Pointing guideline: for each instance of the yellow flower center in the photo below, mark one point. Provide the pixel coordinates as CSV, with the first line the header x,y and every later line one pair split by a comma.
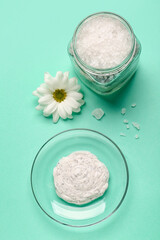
x,y
59,95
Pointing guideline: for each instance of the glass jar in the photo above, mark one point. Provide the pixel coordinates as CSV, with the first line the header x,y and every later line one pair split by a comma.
x,y
106,81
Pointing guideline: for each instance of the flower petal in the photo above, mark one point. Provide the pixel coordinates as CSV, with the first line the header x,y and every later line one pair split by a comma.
x,y
76,109
64,81
49,109
42,90
45,99
55,116
67,107
48,77
81,101
46,114
35,93
58,80
72,82
66,75
39,107
75,88
59,76
49,80
62,111
73,103
75,95
70,116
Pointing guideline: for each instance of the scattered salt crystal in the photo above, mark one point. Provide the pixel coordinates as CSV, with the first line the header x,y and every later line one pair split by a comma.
x,y
125,121
127,126
103,42
136,136
133,105
123,111
98,113
122,134
136,125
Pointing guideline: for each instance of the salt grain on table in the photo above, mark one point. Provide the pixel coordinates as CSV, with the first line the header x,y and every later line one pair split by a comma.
x,y
136,136
125,121
123,111
136,125
133,105
122,134
98,113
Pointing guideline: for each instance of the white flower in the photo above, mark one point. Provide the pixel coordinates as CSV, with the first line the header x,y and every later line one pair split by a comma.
x,y
59,96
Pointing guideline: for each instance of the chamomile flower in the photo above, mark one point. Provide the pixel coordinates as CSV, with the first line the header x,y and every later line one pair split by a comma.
x,y
59,96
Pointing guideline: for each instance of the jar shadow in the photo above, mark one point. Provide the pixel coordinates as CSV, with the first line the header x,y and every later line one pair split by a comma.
x,y
122,93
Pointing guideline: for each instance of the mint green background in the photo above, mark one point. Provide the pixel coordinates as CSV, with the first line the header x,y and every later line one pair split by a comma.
x,y
34,38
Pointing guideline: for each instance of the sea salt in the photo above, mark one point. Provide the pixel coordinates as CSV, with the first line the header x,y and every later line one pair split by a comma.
x,y
122,134
133,105
136,136
125,121
136,125
123,111
98,113
103,42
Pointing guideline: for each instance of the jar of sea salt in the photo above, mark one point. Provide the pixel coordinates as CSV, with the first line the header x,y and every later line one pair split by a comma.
x,y
105,52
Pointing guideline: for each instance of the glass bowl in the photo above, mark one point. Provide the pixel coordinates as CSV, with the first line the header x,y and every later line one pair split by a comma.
x,y
62,144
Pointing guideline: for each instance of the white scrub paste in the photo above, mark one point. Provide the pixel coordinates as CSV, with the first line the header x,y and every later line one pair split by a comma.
x,y
80,178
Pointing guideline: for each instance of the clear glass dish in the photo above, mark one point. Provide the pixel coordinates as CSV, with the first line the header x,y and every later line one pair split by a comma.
x,y
62,144
105,81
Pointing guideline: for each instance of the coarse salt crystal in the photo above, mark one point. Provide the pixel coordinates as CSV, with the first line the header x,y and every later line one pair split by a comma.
x,y
136,125
122,134
123,111
136,136
103,42
125,121
133,105
98,113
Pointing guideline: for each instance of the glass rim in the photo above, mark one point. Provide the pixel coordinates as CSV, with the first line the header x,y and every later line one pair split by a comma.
x,y
122,198
115,69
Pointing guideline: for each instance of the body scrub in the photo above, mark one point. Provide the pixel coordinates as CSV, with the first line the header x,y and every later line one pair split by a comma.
x,y
104,52
80,178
